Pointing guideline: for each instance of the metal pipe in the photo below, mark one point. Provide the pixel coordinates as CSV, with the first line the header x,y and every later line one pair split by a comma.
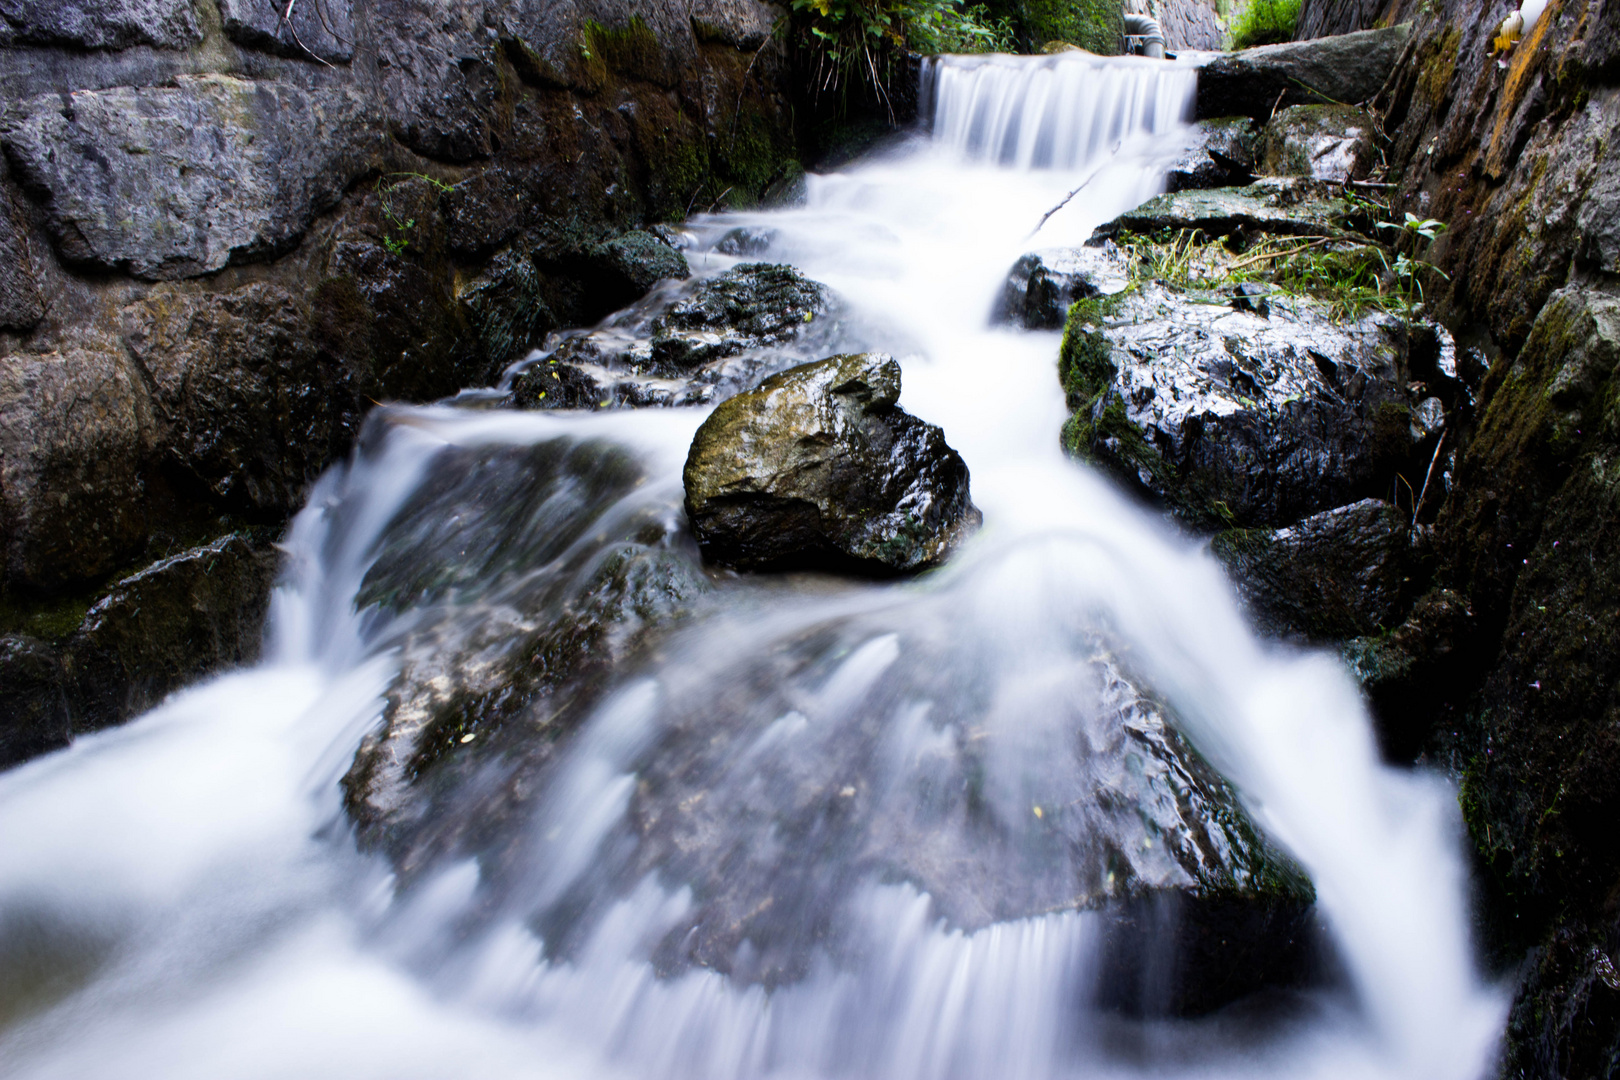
x,y
1147,28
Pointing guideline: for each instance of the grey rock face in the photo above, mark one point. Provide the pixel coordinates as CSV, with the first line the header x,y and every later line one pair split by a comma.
x,y
439,77
1321,18
1322,142
1041,285
1342,573
172,182
251,410
75,428
99,24
1188,24
159,628
654,42
316,29
819,468
1232,418
1222,155
1280,206
1350,68
21,303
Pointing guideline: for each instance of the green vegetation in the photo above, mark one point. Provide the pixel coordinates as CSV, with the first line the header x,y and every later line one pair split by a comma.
x,y
1265,22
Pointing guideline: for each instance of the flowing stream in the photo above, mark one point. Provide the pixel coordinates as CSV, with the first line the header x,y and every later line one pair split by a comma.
x,y
185,896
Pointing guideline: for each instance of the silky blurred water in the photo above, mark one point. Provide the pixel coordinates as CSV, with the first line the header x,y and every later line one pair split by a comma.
x,y
182,896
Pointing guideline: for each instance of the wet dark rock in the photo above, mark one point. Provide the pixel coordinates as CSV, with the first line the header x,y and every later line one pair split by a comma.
x,y
1322,142
35,719
745,24
244,167
99,24
75,428
1350,68
1222,155
1284,207
250,407
506,309
1251,297
1408,672
318,30
749,306
1231,419
624,268
686,345
1342,573
818,467
1042,285
158,629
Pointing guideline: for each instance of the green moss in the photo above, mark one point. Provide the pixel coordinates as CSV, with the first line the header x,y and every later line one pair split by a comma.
x,y
633,50
1437,64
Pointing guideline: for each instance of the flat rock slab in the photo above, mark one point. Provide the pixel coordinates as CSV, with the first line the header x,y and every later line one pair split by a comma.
x,y
819,469
1281,206
178,181
1347,69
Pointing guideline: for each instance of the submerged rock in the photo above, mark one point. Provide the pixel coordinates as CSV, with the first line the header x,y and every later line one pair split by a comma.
x,y
1322,142
685,345
1230,418
819,468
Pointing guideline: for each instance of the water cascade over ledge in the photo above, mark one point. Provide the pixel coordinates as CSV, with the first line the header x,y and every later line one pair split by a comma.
x,y
521,789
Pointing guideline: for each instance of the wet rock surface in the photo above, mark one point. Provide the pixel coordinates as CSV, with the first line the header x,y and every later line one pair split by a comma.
x,y
34,687
1348,69
99,24
819,468
320,31
1229,417
687,345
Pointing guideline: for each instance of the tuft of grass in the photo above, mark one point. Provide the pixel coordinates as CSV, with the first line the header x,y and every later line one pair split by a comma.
x,y
1266,22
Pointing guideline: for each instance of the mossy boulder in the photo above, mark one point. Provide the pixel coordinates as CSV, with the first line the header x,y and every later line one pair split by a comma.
x,y
819,468
1322,142
1278,206
1229,418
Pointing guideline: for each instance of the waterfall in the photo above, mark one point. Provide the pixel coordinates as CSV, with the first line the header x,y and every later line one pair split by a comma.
x,y
805,827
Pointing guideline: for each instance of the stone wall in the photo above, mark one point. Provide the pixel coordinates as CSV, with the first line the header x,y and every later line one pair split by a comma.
x,y
224,235
1519,155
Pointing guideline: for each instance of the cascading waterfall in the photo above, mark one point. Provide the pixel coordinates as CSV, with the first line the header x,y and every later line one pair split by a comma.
x,y
810,760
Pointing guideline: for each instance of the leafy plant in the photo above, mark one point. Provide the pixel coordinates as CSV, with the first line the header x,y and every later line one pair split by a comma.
x,y
853,44
396,240
1266,22
1409,272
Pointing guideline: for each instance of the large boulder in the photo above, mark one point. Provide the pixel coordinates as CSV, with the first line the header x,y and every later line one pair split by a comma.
x,y
1350,69
1043,285
819,468
1234,418
239,169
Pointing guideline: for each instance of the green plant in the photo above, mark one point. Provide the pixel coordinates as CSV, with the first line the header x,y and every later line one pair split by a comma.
x,y
396,240
853,44
1266,22
1409,272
